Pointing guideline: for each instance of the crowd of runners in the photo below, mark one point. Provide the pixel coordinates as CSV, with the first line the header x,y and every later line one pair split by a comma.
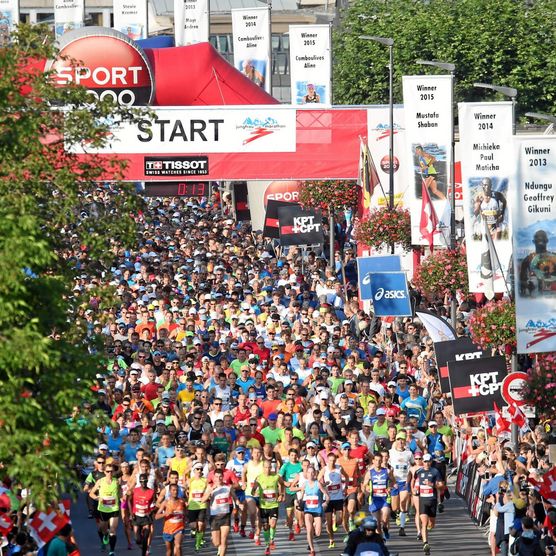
x,y
248,391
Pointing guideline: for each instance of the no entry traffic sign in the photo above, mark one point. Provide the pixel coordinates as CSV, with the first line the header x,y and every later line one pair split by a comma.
x,y
512,385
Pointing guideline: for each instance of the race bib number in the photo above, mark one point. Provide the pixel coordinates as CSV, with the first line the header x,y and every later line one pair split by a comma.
x,y
197,495
269,495
109,501
312,502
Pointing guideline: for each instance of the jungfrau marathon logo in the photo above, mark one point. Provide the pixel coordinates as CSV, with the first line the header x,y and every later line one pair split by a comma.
x,y
540,330
484,384
389,294
305,225
384,130
259,127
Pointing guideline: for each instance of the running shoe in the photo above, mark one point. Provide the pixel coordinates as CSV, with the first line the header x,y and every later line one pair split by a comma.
x,y
267,551
386,533
331,544
427,548
419,536
242,532
297,528
236,526
346,539
351,524
398,520
272,545
402,532
334,526
440,508
251,534
291,537
258,541
111,553
192,533
105,539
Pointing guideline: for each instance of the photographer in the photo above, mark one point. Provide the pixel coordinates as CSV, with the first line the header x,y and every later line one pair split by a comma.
x,y
504,510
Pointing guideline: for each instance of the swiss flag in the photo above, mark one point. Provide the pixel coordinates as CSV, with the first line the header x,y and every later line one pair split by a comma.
x,y
548,486
516,415
502,424
6,524
44,525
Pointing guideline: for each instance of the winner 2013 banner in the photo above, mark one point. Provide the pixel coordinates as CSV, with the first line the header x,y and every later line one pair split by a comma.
x,y
534,242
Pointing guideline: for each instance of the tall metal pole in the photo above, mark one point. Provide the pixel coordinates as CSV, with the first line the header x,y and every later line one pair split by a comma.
x,y
391,114
331,226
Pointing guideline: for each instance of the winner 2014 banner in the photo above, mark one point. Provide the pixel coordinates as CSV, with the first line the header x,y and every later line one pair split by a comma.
x,y
534,242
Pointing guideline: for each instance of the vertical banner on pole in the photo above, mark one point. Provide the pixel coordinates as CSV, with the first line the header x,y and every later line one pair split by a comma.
x,y
9,18
310,63
486,149
131,18
534,243
252,44
429,123
68,15
191,21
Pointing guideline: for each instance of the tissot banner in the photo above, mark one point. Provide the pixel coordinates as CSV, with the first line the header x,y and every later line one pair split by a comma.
x,y
310,64
367,265
476,384
487,163
130,18
428,123
378,141
461,349
191,21
68,15
299,226
271,227
390,294
252,44
534,243
188,130
9,18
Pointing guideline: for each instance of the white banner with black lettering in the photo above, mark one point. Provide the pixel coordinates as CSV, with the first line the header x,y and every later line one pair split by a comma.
x,y
252,45
68,15
534,243
130,18
191,21
486,150
310,64
429,122
9,18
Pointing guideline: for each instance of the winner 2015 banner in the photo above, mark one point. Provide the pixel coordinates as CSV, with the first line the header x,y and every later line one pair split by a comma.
x,y
486,150
534,242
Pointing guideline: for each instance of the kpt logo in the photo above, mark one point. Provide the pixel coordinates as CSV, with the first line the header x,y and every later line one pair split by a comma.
x,y
305,225
484,384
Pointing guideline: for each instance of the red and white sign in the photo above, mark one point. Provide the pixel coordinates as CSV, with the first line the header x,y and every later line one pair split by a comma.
x,y
107,63
44,525
6,524
512,385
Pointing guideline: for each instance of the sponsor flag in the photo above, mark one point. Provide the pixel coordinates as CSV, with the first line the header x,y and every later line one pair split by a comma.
x,y
68,15
459,349
368,178
45,525
191,21
299,226
271,227
367,265
486,151
428,224
534,244
241,204
502,425
6,524
390,294
438,328
252,45
310,64
476,384
131,18
517,416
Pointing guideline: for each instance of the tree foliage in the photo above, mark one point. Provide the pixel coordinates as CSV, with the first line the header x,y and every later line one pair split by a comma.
x,y
507,42
50,230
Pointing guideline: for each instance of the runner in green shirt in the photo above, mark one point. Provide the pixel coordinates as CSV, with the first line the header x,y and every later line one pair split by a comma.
x,y
290,473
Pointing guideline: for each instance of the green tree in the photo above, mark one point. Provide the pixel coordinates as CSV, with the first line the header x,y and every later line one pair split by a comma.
x,y
50,230
506,42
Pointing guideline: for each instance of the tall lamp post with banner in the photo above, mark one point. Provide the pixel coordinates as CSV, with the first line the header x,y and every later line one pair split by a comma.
x,y
541,116
448,66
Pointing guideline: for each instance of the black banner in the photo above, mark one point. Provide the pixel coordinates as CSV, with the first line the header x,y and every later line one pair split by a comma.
x,y
177,189
476,384
299,226
241,206
469,486
271,227
453,350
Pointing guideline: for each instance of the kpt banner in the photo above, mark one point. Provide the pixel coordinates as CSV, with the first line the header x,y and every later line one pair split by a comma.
x,y
390,294
429,123
299,226
131,18
476,384
191,21
310,64
271,227
68,15
366,266
487,163
9,18
252,45
534,243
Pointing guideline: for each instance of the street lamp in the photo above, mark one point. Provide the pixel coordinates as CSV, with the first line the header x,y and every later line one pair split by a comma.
x,y
448,66
386,41
506,91
541,116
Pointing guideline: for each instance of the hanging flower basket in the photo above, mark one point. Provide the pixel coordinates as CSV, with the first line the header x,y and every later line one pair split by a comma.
x,y
442,272
493,325
540,388
327,195
383,227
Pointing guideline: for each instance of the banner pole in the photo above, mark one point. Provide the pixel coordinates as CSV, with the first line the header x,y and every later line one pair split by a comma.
x,y
331,226
270,60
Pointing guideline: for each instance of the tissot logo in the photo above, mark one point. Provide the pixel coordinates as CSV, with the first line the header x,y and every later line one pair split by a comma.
x,y
177,166
389,294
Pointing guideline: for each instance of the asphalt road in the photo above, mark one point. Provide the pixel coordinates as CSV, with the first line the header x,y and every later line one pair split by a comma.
x,y
455,534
